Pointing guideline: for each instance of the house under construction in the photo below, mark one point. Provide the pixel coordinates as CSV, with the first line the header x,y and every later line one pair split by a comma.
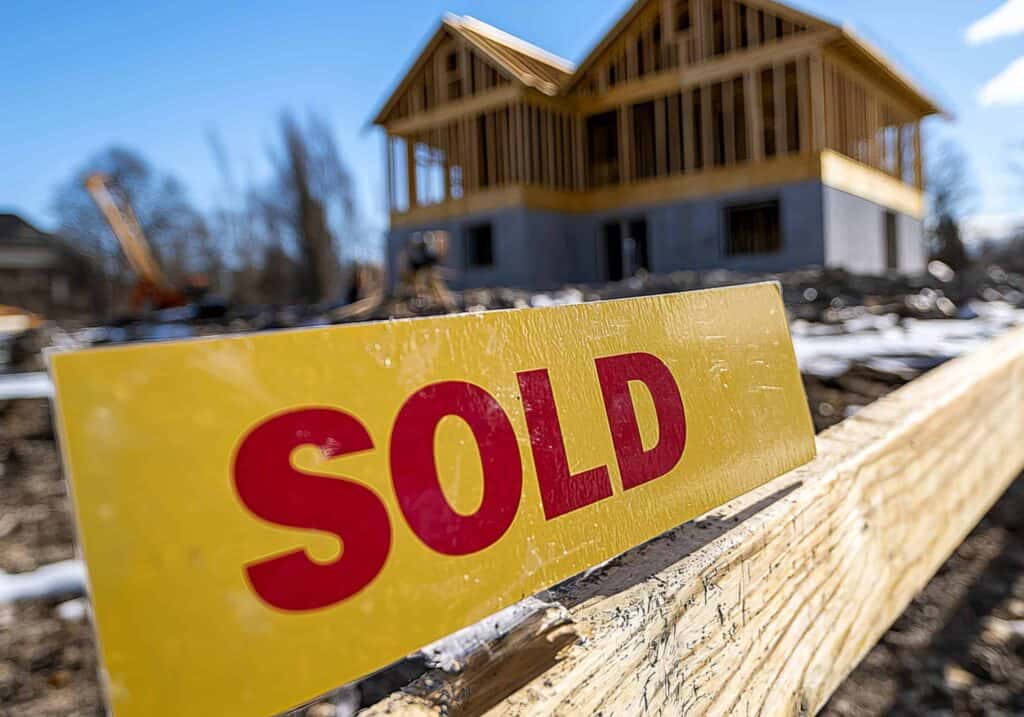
x,y
697,134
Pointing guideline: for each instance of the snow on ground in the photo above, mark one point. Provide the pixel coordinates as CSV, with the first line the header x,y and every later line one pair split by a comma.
x,y
63,579
25,385
901,347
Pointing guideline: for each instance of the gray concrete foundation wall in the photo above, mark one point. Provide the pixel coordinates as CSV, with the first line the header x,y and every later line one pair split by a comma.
x,y
543,249
855,236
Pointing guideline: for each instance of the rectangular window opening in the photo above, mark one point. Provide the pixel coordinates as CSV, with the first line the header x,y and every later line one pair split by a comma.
x,y
753,229
480,246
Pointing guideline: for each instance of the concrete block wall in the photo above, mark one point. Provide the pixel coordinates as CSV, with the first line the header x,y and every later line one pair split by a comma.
x,y
544,249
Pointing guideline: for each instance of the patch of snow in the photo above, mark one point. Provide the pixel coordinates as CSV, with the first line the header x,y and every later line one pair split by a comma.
x,y
25,385
906,347
62,579
73,610
559,298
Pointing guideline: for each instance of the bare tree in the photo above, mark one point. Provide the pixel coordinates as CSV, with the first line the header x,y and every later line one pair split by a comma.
x,y
951,193
311,204
176,231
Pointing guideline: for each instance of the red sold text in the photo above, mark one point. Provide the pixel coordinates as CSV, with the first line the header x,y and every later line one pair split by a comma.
x,y
274,490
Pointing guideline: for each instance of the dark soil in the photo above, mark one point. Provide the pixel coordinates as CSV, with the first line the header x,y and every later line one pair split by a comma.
x,y
48,665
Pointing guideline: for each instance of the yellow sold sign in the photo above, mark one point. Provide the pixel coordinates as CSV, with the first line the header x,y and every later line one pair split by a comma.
x,y
266,517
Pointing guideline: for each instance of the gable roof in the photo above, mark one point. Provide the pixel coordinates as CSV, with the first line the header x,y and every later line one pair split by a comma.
x,y
13,228
517,59
527,63
534,67
846,41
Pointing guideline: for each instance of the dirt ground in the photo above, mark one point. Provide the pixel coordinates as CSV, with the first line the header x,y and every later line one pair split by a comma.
x,y
958,649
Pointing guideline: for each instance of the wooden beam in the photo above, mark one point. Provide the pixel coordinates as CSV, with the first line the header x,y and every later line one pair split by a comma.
x,y
668,21
779,95
753,27
410,171
689,133
803,100
453,110
675,136
918,157
581,152
764,605
713,182
707,128
754,115
625,145
900,151
861,180
819,97
446,161
660,138
389,165
729,121
714,70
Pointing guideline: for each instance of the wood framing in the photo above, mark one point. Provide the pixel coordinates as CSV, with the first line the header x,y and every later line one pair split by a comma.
x,y
765,605
676,89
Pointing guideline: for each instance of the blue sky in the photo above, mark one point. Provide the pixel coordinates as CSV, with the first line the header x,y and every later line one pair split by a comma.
x,y
158,77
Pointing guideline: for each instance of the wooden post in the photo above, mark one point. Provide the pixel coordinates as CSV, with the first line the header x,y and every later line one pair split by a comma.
x,y
410,170
697,29
675,137
729,121
551,175
660,143
818,99
506,144
707,138
753,27
465,58
446,162
581,153
625,145
918,158
779,95
689,132
390,172
668,21
900,153
804,111
755,120
631,58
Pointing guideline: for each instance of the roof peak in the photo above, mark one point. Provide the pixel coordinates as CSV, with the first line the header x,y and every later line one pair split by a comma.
x,y
468,22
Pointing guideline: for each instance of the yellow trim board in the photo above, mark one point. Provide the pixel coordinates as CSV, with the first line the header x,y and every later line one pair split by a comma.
x,y
848,175
707,183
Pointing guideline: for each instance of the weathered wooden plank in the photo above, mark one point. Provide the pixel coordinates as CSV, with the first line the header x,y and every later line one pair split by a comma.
x,y
765,605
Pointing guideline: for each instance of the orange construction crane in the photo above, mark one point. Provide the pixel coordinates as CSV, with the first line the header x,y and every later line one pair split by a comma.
x,y
152,288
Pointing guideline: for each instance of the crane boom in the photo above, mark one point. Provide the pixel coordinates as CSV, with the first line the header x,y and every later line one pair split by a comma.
x,y
125,225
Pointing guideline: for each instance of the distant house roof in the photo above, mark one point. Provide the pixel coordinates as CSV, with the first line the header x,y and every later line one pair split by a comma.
x,y
15,229
17,234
